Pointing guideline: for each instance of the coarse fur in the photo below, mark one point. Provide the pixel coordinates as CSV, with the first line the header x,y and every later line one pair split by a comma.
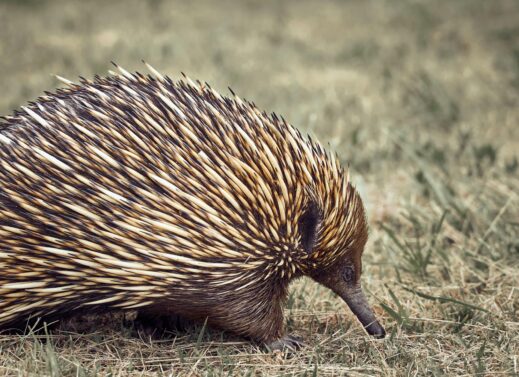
x,y
134,191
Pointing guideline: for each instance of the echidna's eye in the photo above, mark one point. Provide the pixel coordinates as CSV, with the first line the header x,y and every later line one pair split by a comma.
x,y
348,274
308,227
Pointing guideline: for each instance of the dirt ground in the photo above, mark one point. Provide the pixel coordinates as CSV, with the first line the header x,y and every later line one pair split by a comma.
x,y
419,98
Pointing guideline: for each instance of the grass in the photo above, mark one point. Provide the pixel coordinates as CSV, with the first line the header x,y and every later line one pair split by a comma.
x,y
419,98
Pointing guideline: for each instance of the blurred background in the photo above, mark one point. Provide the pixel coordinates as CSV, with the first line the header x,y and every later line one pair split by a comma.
x,y
356,74
420,98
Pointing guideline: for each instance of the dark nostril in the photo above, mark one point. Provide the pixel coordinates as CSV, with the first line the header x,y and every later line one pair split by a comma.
x,y
376,330
381,334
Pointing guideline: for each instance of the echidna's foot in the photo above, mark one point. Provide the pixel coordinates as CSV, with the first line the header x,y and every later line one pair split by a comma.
x,y
290,343
155,326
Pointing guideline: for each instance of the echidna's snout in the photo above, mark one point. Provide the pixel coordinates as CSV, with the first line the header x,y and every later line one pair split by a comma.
x,y
359,305
344,281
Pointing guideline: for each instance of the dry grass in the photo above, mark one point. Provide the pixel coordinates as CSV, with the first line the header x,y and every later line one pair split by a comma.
x,y
420,98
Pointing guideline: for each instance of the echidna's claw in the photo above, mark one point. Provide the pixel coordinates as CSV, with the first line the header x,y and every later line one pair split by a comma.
x,y
290,343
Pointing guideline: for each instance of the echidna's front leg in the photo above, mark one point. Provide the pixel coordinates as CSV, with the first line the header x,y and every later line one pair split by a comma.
x,y
263,323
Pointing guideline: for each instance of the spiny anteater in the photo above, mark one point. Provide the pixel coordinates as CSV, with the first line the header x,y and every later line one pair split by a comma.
x,y
135,191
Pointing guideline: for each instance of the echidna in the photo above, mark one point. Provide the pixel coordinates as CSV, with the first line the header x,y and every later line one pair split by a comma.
x,y
134,191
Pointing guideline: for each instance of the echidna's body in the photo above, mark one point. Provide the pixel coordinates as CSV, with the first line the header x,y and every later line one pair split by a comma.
x,y
137,192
